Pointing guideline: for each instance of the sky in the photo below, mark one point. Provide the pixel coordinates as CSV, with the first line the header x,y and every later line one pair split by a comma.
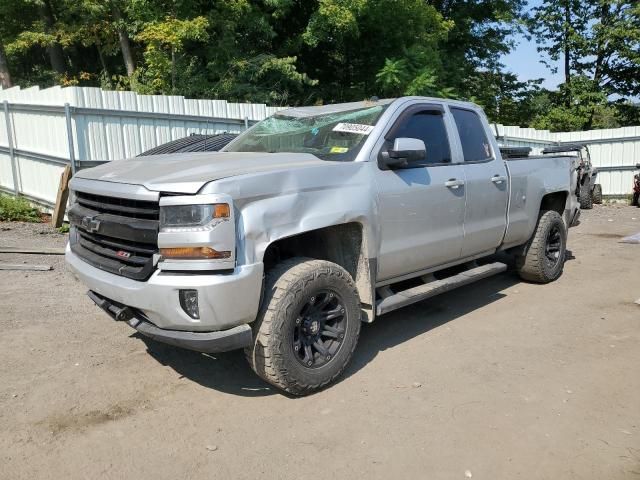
x,y
524,60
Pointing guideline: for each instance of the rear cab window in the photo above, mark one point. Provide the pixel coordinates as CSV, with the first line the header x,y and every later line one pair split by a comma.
x,y
475,144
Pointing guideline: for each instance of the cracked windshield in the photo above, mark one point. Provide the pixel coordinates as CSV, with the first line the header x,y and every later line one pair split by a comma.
x,y
329,136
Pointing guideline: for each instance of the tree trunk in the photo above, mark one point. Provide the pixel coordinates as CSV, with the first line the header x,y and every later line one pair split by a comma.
x,y
173,71
123,37
567,50
600,58
103,62
56,56
5,76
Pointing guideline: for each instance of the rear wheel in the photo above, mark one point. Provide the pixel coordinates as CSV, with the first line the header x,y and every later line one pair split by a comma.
x,y
308,326
597,194
586,201
543,260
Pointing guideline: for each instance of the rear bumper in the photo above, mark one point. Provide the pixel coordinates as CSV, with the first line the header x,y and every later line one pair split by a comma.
x,y
208,342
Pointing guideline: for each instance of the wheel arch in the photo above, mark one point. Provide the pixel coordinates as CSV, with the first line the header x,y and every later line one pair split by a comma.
x,y
344,244
556,201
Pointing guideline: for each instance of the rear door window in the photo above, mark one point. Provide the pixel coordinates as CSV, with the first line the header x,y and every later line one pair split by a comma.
x,y
475,144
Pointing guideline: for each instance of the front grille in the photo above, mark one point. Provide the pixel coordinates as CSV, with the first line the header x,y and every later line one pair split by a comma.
x,y
120,206
116,235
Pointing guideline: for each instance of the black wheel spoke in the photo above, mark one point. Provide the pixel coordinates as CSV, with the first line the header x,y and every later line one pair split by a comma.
x,y
553,247
308,353
320,348
324,302
332,332
331,314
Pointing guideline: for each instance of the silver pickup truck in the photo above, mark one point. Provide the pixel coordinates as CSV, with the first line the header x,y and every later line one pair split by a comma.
x,y
311,222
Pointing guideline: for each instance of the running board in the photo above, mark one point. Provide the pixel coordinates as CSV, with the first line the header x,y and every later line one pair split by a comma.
x,y
436,287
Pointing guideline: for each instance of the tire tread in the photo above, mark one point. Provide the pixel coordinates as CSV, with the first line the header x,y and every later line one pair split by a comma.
x,y
283,286
530,265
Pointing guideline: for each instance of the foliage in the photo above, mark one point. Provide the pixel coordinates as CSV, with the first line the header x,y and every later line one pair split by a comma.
x,y
164,40
292,52
17,209
598,43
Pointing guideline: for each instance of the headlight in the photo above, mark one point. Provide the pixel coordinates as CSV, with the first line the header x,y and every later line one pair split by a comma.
x,y
197,232
72,197
193,218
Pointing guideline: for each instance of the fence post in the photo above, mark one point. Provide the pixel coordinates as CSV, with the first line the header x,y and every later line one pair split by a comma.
x,y
12,153
72,152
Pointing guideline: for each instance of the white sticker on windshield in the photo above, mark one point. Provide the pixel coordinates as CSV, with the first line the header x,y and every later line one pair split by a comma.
x,y
353,128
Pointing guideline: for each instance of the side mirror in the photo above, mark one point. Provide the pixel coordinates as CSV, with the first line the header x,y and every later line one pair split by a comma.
x,y
404,150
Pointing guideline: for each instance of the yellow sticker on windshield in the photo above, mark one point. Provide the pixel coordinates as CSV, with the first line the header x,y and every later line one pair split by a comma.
x,y
339,150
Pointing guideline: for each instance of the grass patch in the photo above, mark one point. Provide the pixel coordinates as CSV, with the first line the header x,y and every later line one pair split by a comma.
x,y
17,209
64,228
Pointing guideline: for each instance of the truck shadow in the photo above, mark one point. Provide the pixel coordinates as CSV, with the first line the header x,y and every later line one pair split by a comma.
x,y
230,373
402,325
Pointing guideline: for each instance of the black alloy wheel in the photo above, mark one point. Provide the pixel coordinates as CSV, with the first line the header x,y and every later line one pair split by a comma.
x,y
319,329
553,246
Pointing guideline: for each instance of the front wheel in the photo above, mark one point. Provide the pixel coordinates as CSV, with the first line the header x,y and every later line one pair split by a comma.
x,y
308,325
543,260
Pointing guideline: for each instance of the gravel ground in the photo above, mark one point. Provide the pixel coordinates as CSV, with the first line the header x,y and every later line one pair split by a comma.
x,y
498,380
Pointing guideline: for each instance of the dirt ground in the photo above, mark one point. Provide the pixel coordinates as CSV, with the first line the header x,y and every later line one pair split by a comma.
x,y
498,380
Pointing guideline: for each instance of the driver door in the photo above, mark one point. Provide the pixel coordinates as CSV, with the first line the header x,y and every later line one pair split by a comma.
x,y
422,205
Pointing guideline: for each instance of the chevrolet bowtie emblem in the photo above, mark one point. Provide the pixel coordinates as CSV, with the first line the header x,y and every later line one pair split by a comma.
x,y
90,224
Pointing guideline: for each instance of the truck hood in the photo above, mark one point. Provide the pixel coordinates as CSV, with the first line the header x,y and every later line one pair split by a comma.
x,y
189,172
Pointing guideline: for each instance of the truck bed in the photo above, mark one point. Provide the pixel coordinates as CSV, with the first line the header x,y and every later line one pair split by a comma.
x,y
530,181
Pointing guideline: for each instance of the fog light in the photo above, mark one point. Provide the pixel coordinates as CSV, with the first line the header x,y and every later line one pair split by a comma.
x,y
189,303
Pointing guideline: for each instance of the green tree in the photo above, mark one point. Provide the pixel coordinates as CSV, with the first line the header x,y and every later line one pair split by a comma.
x,y
480,33
599,44
164,41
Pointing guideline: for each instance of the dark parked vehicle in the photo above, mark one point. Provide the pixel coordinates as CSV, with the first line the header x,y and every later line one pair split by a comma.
x,y
588,191
193,143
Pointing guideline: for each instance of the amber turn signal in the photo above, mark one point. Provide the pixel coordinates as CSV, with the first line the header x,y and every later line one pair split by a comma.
x,y
193,253
221,210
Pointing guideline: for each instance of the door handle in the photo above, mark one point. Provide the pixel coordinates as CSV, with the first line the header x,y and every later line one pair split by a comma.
x,y
453,183
498,179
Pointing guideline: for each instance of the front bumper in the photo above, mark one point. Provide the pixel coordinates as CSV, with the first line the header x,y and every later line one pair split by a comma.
x,y
208,342
225,300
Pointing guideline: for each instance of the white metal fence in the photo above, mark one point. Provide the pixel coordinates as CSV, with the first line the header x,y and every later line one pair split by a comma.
x,y
615,151
44,130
